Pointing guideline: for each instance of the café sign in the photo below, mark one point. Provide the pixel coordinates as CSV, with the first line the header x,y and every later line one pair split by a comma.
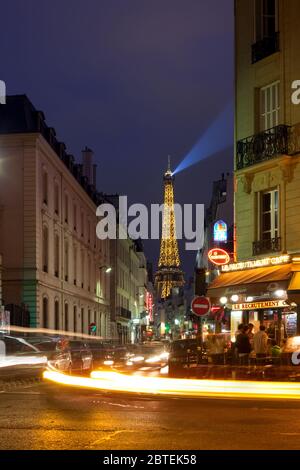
x,y
257,263
260,305
218,256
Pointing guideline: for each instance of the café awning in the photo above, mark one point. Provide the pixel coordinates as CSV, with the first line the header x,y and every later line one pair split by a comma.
x,y
252,282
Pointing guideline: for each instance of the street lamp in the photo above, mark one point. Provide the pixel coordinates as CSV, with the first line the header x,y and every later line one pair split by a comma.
x,y
107,269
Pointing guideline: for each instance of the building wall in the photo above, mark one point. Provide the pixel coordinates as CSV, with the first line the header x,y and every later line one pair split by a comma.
x,y
25,160
127,287
282,172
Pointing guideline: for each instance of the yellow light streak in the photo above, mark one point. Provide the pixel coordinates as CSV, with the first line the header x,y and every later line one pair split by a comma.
x,y
189,388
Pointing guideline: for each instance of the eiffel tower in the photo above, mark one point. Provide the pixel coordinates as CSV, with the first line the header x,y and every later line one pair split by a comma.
x,y
169,274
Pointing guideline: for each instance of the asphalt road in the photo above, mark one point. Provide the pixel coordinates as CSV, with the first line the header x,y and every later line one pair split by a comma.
x,y
47,416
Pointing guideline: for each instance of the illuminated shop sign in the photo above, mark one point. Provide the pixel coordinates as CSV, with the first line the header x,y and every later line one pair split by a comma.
x,y
149,305
258,305
218,256
220,231
257,263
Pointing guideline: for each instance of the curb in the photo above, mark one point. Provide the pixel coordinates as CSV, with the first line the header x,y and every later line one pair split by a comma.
x,y
7,385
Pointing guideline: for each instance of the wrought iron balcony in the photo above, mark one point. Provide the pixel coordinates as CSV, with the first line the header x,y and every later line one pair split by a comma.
x,y
279,140
265,47
272,245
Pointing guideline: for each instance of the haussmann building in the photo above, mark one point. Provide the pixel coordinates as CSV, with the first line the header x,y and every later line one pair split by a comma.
x,y
263,284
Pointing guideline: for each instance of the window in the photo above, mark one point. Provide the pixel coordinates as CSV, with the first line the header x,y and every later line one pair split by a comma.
x,y
89,320
82,224
56,315
75,216
266,19
82,320
45,187
75,318
66,317
66,260
82,269
89,273
56,198
66,208
56,255
75,265
269,106
45,312
45,248
269,215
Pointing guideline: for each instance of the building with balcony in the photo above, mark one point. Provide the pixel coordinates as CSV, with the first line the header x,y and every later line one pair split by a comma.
x,y
128,287
267,170
51,255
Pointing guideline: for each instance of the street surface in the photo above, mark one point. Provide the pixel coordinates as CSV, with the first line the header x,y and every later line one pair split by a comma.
x,y
49,416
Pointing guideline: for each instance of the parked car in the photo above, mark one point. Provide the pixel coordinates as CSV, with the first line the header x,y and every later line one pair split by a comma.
x,y
81,356
56,349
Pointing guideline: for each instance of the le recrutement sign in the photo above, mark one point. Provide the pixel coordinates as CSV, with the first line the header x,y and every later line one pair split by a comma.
x,y
260,305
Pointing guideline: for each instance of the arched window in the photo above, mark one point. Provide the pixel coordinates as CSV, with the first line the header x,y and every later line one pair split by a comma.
x,y
45,312
75,264
66,317
66,208
82,320
66,260
75,216
56,315
89,273
89,320
45,187
56,254
75,318
56,198
45,248
82,269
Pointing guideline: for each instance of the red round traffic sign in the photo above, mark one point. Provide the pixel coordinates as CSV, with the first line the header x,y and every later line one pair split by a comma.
x,y
200,305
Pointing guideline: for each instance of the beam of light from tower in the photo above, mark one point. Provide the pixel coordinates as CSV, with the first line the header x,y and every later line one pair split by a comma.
x,y
217,138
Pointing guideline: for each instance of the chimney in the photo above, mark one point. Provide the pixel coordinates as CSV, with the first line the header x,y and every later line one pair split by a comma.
x,y
87,167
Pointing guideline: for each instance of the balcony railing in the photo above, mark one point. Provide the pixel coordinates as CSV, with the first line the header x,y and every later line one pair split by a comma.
x,y
265,47
279,140
272,245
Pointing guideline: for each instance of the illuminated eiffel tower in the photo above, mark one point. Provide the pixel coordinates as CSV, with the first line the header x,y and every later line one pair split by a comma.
x,y
169,274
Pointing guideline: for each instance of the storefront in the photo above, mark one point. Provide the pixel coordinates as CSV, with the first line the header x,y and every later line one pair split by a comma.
x,y
263,291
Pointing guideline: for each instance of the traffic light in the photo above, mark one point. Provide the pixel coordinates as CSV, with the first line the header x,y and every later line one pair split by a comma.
x,y
167,328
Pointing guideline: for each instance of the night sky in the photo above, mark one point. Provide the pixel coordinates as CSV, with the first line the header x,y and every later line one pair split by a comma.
x,y
135,80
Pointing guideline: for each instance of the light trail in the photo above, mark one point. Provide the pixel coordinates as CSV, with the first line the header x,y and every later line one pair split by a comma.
x,y
189,388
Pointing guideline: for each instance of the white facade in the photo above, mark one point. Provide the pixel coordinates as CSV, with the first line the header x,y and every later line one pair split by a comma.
x,y
52,258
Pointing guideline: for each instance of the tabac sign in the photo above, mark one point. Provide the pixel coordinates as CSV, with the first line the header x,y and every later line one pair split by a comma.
x,y
260,305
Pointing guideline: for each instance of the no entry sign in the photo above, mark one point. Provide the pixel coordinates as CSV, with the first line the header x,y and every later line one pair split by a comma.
x,y
200,306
